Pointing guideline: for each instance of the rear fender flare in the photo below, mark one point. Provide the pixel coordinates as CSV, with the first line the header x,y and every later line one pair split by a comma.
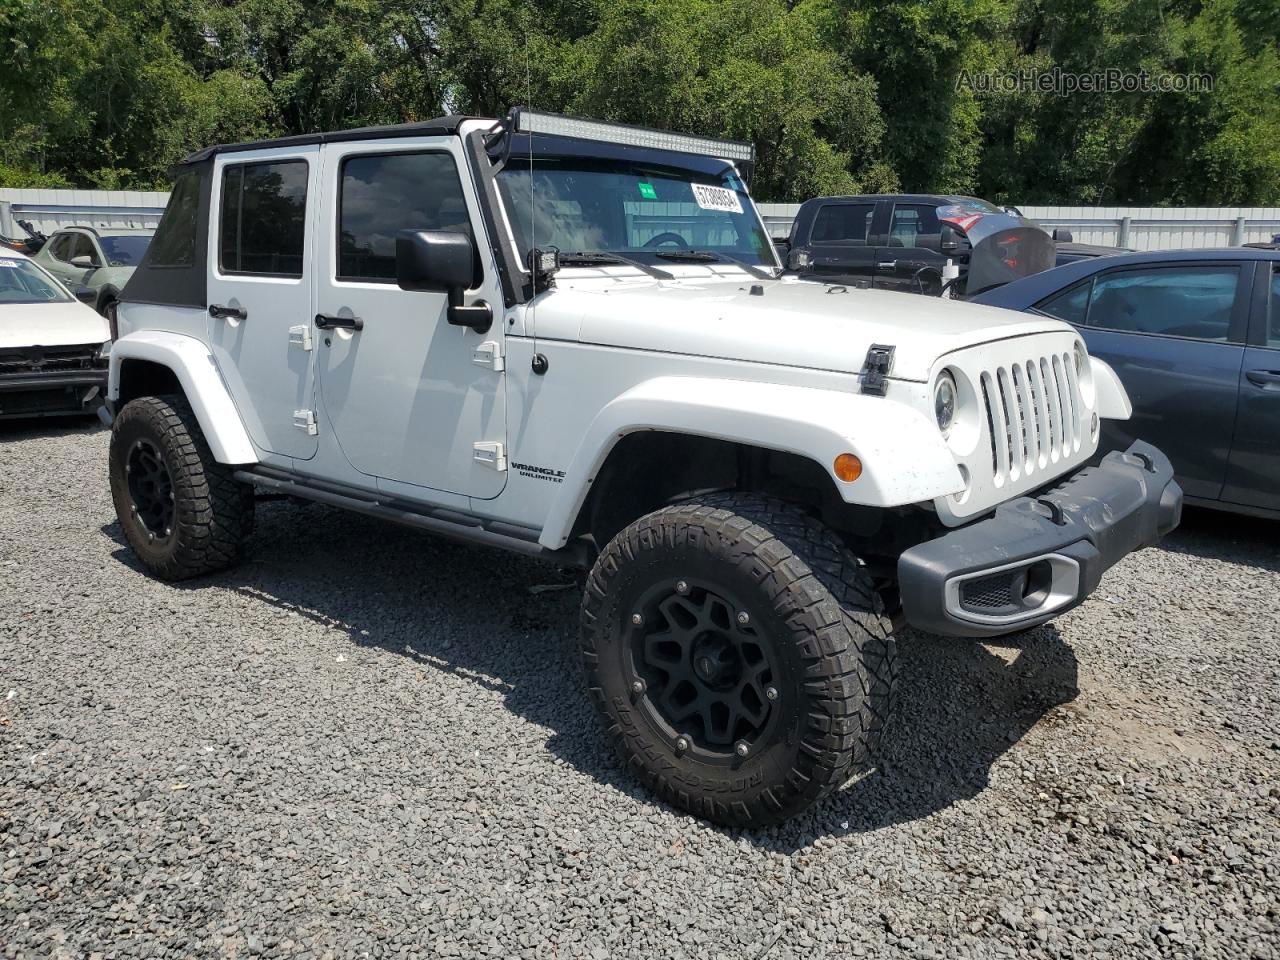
x,y
904,458
193,365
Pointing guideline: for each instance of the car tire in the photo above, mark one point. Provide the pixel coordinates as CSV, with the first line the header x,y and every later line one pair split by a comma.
x,y
180,509
738,655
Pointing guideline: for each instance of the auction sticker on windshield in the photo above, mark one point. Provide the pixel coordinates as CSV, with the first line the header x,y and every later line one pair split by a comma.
x,y
716,198
9,263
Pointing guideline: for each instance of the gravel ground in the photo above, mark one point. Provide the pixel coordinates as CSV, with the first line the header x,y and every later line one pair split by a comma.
x,y
368,743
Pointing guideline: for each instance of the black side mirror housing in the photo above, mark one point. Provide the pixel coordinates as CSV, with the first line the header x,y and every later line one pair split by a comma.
x,y
1062,236
442,261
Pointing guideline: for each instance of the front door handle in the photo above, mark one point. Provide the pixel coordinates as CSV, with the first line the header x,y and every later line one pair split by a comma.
x,y
887,265
326,322
219,312
1264,378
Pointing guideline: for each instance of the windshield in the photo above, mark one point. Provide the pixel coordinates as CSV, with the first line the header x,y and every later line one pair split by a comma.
x,y
21,281
587,205
127,250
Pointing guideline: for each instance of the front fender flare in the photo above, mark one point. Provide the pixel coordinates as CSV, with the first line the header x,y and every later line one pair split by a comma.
x,y
1110,397
904,458
193,365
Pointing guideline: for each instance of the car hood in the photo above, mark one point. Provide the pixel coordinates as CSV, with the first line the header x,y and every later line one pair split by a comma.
x,y
50,325
788,322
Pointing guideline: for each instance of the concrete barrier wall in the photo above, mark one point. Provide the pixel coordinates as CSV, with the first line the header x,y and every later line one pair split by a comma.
x,y
1143,228
47,210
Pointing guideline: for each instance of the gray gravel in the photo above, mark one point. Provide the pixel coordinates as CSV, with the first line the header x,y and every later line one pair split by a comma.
x,y
368,743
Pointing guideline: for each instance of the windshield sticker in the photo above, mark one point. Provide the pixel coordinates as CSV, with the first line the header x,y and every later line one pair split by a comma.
x,y
647,191
9,263
716,198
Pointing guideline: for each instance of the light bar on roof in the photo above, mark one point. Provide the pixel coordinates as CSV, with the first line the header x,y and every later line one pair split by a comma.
x,y
554,124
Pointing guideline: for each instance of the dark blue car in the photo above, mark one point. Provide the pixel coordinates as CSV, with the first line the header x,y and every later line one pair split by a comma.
x,y
1195,337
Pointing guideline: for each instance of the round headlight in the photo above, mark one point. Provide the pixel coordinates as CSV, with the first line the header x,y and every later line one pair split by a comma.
x,y
944,401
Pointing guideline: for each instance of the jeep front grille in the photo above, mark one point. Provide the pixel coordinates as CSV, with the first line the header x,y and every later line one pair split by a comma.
x,y
1034,414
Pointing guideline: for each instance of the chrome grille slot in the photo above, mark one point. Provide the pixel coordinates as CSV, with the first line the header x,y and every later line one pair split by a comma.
x,y
1033,412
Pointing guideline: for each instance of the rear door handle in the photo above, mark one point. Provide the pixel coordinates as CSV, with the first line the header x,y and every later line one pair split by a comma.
x,y
887,265
326,322
219,312
1264,378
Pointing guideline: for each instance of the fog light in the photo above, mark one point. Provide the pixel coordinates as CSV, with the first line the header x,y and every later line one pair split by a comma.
x,y
847,467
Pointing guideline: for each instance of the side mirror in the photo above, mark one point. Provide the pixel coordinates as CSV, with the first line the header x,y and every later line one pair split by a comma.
x,y
948,242
83,263
1062,236
442,261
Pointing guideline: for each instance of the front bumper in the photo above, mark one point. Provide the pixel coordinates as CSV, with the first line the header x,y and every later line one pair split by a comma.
x,y
42,393
1039,556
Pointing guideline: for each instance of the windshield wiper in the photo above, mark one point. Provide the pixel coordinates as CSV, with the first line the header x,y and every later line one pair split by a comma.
x,y
706,256
594,259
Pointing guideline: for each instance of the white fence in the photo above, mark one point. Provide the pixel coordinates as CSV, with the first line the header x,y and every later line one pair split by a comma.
x,y
47,210
1142,228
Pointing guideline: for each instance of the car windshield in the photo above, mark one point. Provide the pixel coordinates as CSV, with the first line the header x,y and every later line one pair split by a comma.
x,y
21,281
125,250
589,205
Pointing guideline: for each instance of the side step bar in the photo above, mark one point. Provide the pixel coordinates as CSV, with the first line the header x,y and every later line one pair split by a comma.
x,y
458,527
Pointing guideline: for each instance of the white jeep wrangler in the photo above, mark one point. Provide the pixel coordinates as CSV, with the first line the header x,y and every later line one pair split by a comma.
x,y
573,340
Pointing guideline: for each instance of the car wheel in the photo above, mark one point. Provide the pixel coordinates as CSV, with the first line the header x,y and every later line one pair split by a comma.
x,y
180,509
738,655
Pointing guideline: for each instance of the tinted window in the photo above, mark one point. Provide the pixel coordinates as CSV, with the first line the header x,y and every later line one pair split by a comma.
x,y
1071,305
915,225
1171,301
382,195
175,240
263,221
843,223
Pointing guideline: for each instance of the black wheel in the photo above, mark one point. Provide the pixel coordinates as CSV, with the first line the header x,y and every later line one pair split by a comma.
x,y
739,656
180,510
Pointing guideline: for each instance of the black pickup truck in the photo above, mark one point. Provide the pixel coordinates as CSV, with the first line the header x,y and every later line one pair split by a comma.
x,y
903,241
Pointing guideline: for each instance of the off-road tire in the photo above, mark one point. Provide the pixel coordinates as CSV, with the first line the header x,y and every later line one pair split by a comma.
x,y
812,600
212,513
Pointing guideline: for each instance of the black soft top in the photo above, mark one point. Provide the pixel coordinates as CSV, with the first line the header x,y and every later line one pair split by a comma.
x,y
440,126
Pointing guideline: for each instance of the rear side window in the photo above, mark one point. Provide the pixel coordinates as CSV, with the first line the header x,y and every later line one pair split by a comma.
x,y
843,223
1071,305
915,225
263,220
1191,301
386,193
174,244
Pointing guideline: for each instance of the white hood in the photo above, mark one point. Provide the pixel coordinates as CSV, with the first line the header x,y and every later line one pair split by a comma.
x,y
50,325
790,322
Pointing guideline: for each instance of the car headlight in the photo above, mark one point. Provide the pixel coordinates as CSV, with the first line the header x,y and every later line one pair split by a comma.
x,y
944,401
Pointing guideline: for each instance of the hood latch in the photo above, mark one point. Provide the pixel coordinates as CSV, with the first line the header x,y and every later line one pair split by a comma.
x,y
875,369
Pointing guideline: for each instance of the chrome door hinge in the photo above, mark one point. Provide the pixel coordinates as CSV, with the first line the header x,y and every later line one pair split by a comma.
x,y
492,455
305,420
300,336
489,354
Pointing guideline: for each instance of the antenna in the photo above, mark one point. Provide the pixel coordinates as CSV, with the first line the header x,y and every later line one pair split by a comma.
x,y
533,210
